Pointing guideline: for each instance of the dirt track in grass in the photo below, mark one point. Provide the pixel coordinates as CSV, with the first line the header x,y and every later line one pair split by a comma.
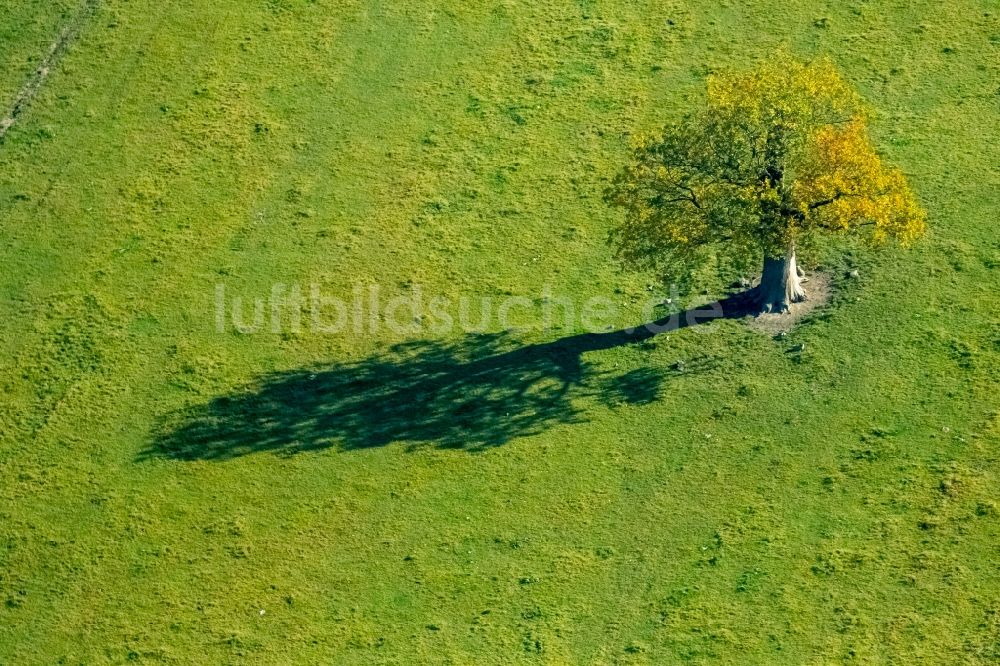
x,y
57,49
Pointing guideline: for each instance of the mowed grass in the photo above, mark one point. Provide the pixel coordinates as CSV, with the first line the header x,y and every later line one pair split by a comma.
x,y
749,506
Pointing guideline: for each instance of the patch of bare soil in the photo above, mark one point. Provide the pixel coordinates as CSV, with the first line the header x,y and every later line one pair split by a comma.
x,y
819,290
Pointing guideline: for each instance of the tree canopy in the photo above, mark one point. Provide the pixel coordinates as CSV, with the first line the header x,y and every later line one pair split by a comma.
x,y
777,156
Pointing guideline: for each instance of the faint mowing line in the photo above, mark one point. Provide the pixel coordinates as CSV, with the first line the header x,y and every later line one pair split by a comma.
x,y
56,51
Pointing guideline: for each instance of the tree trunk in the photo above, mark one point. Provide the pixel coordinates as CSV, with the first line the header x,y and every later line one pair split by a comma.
x,y
780,285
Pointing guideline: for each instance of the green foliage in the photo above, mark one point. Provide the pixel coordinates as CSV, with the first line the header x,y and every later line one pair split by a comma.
x,y
778,154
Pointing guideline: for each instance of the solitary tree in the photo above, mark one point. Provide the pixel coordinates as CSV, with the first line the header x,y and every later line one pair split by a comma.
x,y
778,156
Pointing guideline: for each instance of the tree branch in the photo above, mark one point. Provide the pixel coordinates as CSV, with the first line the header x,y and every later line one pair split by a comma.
x,y
827,202
691,199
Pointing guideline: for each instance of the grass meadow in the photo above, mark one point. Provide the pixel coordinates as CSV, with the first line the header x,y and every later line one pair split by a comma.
x,y
170,493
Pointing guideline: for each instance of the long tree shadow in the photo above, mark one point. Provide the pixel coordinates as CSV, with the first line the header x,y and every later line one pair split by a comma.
x,y
479,392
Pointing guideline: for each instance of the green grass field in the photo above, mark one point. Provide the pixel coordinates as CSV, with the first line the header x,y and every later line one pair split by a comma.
x,y
173,494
